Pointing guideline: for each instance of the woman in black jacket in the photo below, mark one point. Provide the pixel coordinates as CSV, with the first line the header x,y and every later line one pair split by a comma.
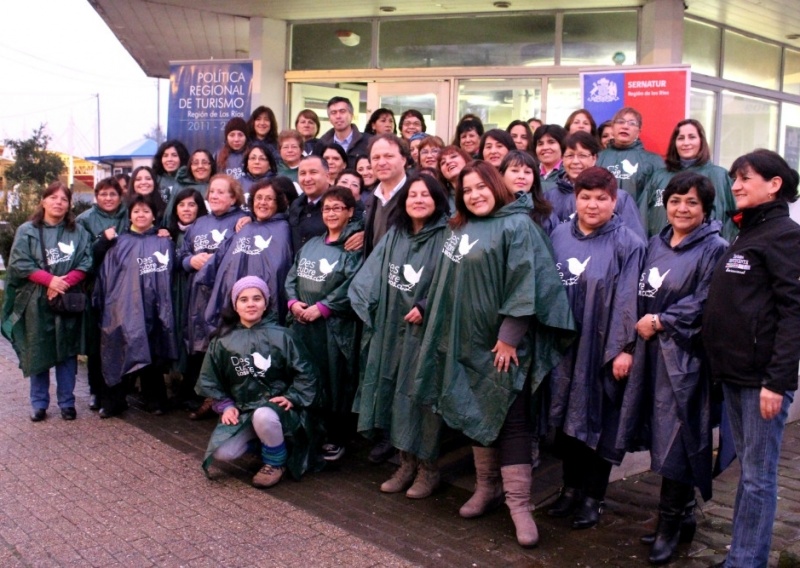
x,y
751,330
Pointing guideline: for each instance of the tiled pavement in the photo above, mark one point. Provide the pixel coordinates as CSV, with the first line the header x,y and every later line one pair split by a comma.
x,y
130,492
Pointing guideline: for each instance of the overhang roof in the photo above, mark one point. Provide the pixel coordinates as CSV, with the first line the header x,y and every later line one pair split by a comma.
x,y
155,31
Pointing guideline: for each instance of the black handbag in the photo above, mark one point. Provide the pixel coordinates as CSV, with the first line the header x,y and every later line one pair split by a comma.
x,y
71,302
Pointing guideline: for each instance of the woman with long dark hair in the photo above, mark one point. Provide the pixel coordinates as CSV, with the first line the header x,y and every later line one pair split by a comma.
x,y
688,150
521,175
390,294
170,157
262,127
494,297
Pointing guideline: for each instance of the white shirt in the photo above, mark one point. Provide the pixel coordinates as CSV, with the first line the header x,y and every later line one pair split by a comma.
x,y
379,192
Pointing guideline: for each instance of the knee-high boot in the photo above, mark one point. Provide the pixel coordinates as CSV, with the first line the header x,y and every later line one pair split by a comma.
x,y
488,489
517,487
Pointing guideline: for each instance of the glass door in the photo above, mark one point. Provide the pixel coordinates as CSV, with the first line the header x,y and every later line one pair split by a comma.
x,y
431,98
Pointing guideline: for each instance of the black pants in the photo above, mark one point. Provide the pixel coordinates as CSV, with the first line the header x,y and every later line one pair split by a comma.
x,y
95,375
675,496
583,468
185,390
516,434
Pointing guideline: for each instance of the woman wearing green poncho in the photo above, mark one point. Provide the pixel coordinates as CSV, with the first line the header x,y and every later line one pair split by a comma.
x,y
389,294
49,255
321,317
497,320
262,383
688,151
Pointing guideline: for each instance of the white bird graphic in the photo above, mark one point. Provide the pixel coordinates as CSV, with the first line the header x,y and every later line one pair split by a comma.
x,y
464,246
67,249
260,362
217,236
325,266
655,279
411,276
576,267
163,257
629,168
261,243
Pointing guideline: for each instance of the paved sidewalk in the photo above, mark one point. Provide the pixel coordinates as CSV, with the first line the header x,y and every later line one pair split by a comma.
x,y
130,492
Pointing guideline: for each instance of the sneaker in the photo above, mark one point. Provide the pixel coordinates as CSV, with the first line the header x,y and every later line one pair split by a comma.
x,y
268,476
332,452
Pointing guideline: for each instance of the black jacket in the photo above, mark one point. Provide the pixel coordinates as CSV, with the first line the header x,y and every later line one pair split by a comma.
x,y
359,146
751,324
305,219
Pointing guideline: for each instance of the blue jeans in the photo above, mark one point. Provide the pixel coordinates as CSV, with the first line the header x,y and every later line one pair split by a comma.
x,y
758,446
65,385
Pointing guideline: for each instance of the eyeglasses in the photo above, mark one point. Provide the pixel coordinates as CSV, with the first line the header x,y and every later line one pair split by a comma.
x,y
622,121
264,199
290,147
107,194
429,152
581,157
333,209
256,158
203,163
409,122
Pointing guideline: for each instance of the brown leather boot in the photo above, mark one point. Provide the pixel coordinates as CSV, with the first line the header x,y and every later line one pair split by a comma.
x,y
517,487
404,475
426,482
488,488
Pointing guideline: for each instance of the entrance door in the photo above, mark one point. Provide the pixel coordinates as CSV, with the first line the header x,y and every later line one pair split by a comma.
x,y
431,98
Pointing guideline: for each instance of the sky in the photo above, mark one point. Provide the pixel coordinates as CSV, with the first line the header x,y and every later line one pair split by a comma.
x,y
56,56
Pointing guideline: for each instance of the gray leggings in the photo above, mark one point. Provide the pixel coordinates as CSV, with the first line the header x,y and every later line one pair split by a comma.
x,y
266,426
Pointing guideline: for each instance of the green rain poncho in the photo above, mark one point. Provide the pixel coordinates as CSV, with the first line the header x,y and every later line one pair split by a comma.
x,y
322,273
492,267
253,365
395,278
41,337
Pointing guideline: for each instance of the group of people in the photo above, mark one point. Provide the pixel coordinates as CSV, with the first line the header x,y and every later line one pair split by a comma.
x,y
511,284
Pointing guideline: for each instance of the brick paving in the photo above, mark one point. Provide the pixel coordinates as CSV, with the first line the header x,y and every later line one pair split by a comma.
x,y
130,492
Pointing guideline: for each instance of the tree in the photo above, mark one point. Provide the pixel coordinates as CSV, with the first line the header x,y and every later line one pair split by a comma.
x,y
33,163
156,134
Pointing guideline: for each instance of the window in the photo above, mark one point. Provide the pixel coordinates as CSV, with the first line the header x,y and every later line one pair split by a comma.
x,y
703,108
791,72
701,47
747,123
331,45
790,134
600,38
498,102
751,61
563,97
468,42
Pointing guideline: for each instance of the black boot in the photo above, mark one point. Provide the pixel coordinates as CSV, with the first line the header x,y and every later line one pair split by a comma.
x,y
688,527
588,513
568,499
667,535
676,503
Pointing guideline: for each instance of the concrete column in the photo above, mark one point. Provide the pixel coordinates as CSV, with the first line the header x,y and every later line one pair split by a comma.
x,y
268,50
662,32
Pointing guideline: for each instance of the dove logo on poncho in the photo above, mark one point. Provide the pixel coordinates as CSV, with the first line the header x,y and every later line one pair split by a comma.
x,y
259,245
575,267
158,262
307,269
61,253
256,364
410,275
651,281
455,249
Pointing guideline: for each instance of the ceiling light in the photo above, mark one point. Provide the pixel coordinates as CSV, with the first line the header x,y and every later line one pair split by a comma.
x,y
502,5
348,38
387,9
